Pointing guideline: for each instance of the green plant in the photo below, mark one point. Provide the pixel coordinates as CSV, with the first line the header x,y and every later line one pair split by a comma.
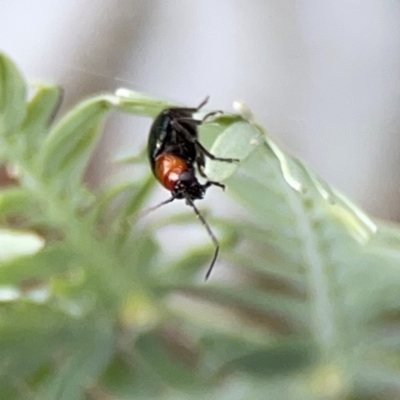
x,y
91,309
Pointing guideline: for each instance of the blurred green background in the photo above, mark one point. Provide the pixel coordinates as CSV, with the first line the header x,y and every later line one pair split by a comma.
x,y
303,301
92,308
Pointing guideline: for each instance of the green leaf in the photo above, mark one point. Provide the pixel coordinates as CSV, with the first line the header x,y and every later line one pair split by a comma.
x,y
187,267
67,150
15,200
284,357
41,112
238,140
374,379
124,214
313,312
29,336
165,362
9,391
138,253
136,201
53,259
84,364
310,233
12,96
142,103
275,305
126,379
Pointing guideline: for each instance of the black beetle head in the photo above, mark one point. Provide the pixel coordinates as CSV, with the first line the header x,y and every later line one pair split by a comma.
x,y
188,186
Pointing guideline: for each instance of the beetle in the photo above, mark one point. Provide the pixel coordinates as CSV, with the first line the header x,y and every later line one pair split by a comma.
x,y
174,151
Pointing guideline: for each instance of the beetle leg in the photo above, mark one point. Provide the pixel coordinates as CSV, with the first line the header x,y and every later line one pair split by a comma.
x,y
200,161
211,114
201,171
179,128
213,183
199,121
182,130
203,103
211,156
191,109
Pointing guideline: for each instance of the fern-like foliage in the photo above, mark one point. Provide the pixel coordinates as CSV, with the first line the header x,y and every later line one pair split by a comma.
x,y
90,309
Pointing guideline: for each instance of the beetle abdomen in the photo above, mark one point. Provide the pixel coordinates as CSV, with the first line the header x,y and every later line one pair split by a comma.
x,y
168,168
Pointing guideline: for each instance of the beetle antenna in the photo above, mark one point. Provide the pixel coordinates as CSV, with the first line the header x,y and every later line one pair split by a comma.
x,y
151,209
210,233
